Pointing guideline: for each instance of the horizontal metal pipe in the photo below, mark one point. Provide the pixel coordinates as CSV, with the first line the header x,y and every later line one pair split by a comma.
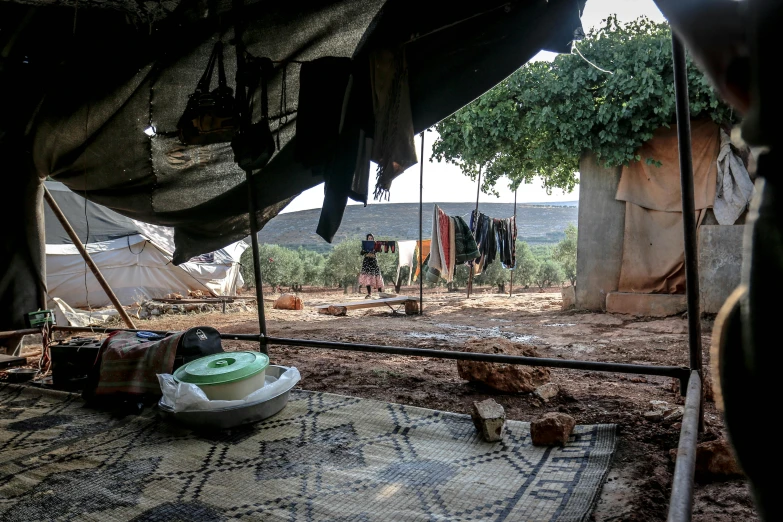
x,y
18,333
681,502
90,329
677,372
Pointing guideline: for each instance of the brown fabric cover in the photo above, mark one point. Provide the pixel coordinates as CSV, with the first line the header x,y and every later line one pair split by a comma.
x,y
653,245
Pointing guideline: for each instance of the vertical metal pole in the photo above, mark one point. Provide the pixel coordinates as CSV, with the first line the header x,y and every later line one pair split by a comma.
x,y
688,213
511,284
473,265
688,210
252,197
421,208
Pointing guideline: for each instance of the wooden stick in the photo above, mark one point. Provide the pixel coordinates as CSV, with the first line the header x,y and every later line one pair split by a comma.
x,y
87,259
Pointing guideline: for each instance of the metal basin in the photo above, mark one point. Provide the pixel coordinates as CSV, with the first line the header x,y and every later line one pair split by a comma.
x,y
226,418
20,374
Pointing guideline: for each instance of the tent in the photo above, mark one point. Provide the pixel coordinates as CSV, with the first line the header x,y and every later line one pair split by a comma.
x,y
96,105
134,257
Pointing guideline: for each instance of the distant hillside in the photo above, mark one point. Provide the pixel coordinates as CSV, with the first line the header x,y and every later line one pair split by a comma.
x,y
539,223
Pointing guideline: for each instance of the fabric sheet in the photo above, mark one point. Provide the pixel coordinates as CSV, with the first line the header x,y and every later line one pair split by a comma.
x,y
653,245
131,365
406,251
734,186
423,246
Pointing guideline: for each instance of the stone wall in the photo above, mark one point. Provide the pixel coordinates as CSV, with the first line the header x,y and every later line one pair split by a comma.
x,y
154,308
720,263
601,228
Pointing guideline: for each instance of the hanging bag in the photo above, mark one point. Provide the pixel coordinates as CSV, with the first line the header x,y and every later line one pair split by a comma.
x,y
210,116
254,146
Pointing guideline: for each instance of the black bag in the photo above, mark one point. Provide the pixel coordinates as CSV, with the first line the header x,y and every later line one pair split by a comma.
x,y
254,146
196,343
210,116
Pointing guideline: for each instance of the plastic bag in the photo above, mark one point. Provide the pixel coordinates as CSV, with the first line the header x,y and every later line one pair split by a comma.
x,y
184,396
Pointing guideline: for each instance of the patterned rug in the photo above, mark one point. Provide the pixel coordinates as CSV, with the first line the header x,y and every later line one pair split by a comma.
x,y
324,457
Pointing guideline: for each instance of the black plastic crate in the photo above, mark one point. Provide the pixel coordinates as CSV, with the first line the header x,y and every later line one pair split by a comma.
x,y
72,361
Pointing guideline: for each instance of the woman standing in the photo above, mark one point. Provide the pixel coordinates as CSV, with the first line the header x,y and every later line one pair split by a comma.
x,y
370,276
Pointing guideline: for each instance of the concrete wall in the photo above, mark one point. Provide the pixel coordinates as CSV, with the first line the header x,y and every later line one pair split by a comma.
x,y
720,262
600,240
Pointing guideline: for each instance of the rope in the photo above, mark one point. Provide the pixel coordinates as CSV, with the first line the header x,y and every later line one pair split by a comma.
x,y
575,48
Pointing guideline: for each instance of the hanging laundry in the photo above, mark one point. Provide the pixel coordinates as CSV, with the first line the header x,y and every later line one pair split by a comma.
x,y
506,238
407,251
393,147
465,245
452,245
493,237
424,248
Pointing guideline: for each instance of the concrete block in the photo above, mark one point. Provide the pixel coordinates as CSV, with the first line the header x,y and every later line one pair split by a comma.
x,y
646,305
601,232
569,297
720,263
489,419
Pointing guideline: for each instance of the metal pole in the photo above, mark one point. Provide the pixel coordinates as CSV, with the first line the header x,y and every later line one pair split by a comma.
x,y
252,196
678,372
421,241
681,501
473,265
511,284
688,210
87,259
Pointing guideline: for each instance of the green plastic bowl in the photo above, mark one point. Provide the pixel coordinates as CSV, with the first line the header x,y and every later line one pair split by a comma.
x,y
226,376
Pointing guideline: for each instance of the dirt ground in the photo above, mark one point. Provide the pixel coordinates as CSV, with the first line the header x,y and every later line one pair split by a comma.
x,y
638,485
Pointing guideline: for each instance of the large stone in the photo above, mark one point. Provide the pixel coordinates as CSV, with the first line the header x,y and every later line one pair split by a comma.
x,y
645,305
552,429
548,391
502,377
569,297
490,419
288,302
715,459
720,261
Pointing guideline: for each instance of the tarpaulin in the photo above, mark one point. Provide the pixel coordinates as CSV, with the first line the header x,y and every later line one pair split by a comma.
x,y
653,244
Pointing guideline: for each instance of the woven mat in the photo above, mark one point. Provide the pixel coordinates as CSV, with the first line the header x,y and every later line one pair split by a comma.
x,y
324,457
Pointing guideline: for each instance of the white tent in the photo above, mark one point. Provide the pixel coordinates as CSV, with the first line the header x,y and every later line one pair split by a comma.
x,y
134,257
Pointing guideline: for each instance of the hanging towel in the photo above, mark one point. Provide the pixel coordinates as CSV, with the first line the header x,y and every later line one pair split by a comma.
x,y
435,266
424,247
406,251
452,251
464,243
394,150
734,185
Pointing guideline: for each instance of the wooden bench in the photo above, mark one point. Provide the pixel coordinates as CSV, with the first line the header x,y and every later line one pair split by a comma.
x,y
410,304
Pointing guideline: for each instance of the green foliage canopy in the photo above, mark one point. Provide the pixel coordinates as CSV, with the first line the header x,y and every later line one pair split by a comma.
x,y
541,119
565,253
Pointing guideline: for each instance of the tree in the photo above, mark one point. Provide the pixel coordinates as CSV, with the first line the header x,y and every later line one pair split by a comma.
x,y
279,266
548,274
527,265
541,119
565,253
313,264
344,263
494,274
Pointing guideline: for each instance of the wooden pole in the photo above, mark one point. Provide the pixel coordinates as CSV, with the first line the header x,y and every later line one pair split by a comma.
x,y
421,246
511,284
87,259
473,266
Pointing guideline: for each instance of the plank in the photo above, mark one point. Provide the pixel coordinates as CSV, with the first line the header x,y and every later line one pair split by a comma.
x,y
7,361
367,303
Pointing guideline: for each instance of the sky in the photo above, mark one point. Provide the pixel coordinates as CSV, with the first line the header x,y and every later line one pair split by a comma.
x,y
446,183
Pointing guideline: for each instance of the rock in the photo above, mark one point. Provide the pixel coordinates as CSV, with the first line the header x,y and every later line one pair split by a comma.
x,y
502,377
490,419
411,307
548,391
154,311
173,296
715,459
335,310
569,297
674,415
552,429
191,307
288,302
653,416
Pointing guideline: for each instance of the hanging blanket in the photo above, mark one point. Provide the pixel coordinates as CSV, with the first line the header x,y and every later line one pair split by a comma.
x,y
131,365
464,243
